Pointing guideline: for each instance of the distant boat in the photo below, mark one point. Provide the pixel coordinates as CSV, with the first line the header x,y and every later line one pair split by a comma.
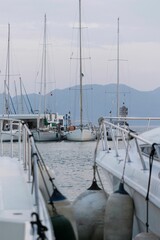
x,y
121,112
8,132
121,122
82,132
47,129
35,122
133,169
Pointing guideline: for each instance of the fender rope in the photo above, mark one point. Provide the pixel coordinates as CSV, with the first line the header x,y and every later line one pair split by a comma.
x,y
151,157
41,229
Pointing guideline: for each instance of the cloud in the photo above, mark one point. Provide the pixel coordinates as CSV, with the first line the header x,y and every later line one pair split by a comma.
x,y
139,37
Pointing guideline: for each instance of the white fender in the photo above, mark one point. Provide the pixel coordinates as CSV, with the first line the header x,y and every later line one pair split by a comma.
x,y
89,213
118,219
146,236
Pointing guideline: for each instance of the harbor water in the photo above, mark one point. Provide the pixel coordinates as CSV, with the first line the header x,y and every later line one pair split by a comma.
x,y
72,163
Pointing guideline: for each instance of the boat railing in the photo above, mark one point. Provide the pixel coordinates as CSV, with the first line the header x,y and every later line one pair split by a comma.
x,y
121,137
26,151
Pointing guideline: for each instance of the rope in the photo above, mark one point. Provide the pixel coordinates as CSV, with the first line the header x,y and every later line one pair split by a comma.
x,y
44,165
125,161
41,164
44,181
101,182
151,157
95,167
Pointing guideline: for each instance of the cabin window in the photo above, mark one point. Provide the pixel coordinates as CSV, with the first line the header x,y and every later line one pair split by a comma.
x,y
146,150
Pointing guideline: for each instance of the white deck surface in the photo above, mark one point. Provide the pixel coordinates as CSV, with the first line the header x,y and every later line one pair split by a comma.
x,y
16,202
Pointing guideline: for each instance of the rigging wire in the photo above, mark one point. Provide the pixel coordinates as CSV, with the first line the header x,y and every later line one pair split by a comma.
x,y
28,99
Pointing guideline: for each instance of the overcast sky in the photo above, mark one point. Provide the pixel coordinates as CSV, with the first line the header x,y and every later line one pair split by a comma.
x,y
139,42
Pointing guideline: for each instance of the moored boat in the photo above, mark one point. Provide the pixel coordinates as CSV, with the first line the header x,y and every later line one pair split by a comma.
x,y
26,191
135,164
82,132
46,129
23,212
9,133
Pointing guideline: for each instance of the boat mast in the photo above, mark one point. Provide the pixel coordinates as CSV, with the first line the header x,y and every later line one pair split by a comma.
x,y
80,66
118,68
45,20
6,81
43,72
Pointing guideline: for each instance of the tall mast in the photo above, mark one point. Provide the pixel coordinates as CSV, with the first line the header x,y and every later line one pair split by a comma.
x,y
45,20
80,67
43,71
118,68
6,81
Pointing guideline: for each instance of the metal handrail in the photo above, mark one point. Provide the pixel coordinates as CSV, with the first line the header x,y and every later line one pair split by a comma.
x,y
118,133
26,151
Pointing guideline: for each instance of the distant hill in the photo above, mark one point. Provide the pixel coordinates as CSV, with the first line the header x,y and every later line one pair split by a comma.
x,y
98,100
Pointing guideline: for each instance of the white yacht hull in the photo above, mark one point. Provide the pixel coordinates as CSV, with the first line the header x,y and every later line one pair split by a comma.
x,y
136,163
136,182
42,136
79,135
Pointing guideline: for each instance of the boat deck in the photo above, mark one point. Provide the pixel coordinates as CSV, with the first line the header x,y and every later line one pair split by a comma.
x,y
11,184
23,210
16,201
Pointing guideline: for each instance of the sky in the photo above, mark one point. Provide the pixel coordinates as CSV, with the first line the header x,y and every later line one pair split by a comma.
x,y
139,42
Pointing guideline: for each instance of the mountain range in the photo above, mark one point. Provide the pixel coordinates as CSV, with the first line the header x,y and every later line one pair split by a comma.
x,y
98,100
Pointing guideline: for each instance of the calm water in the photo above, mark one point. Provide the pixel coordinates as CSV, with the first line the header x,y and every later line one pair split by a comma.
x,y
72,163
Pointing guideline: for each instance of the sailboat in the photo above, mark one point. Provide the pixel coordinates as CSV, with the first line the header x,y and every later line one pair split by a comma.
x,y
121,112
48,128
81,133
8,132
